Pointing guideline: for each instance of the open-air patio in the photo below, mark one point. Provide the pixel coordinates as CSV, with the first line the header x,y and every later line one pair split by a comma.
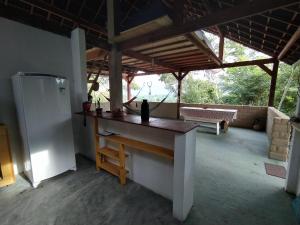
x,y
231,186
81,143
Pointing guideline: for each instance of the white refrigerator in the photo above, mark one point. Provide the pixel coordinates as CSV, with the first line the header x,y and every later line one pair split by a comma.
x,y
44,114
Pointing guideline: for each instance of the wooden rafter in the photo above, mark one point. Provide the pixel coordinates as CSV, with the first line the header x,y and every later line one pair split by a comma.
x,y
204,48
65,15
221,47
95,54
266,69
246,9
210,9
148,59
290,43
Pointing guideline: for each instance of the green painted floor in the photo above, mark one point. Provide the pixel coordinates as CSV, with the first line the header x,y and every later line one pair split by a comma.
x,y
231,184
231,188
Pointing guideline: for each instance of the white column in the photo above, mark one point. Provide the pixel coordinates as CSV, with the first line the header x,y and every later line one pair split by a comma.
x,y
183,175
79,67
82,134
115,59
115,79
293,173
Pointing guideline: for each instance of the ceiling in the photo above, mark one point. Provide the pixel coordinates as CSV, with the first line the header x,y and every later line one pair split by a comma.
x,y
268,31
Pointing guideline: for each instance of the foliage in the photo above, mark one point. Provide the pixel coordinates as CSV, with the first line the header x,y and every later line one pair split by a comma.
x,y
245,86
290,100
170,81
135,86
199,91
193,90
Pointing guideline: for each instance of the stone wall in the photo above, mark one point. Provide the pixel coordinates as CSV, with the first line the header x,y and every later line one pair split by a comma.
x,y
278,131
245,116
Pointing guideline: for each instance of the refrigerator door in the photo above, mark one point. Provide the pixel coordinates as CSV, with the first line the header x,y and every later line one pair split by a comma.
x,y
47,112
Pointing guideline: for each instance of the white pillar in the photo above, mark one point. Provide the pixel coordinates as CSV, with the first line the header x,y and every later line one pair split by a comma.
x,y
115,79
293,173
79,67
183,175
79,92
115,59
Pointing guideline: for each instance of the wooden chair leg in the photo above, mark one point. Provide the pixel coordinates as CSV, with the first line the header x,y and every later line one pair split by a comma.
x,y
122,164
97,144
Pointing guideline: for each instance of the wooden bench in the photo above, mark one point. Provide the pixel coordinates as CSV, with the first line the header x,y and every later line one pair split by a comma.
x,y
216,122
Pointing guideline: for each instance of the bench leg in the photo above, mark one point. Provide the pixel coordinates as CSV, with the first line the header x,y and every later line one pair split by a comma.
x,y
226,125
218,128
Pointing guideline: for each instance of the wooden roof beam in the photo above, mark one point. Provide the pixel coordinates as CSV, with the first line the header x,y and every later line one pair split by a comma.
x,y
289,44
221,47
234,64
248,63
148,59
95,54
210,9
204,48
243,10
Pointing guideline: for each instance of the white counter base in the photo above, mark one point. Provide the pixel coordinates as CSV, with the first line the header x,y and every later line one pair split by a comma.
x,y
172,180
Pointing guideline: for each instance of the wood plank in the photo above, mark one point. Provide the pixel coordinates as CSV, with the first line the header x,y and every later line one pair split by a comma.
x,y
122,164
109,152
203,47
160,43
167,47
97,144
290,43
139,145
169,52
111,168
7,175
146,58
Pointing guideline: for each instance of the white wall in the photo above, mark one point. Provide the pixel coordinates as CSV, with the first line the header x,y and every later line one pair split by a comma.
x,y
24,48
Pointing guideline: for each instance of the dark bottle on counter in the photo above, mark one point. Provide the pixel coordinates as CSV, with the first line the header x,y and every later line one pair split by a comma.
x,y
145,111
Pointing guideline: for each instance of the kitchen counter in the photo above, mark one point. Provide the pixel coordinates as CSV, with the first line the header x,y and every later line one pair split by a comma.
x,y
177,126
171,177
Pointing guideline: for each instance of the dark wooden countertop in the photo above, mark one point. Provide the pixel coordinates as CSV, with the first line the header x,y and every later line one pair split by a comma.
x,y
177,126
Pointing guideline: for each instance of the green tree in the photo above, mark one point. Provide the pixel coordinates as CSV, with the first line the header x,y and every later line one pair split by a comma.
x,y
193,90
135,86
290,100
245,86
199,91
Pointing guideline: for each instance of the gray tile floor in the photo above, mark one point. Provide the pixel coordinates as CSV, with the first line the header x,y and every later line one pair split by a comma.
x,y
231,188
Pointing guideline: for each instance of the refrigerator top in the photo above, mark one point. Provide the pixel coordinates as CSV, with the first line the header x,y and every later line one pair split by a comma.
x,y
31,74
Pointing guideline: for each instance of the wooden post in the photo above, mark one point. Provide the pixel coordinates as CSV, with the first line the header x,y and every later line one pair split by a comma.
x,y
179,77
178,94
115,59
97,144
129,79
221,47
122,164
273,83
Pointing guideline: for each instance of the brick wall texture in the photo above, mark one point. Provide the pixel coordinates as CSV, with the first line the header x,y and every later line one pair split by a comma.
x,y
279,132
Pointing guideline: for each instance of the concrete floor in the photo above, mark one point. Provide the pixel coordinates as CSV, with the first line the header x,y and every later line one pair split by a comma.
x,y
231,188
